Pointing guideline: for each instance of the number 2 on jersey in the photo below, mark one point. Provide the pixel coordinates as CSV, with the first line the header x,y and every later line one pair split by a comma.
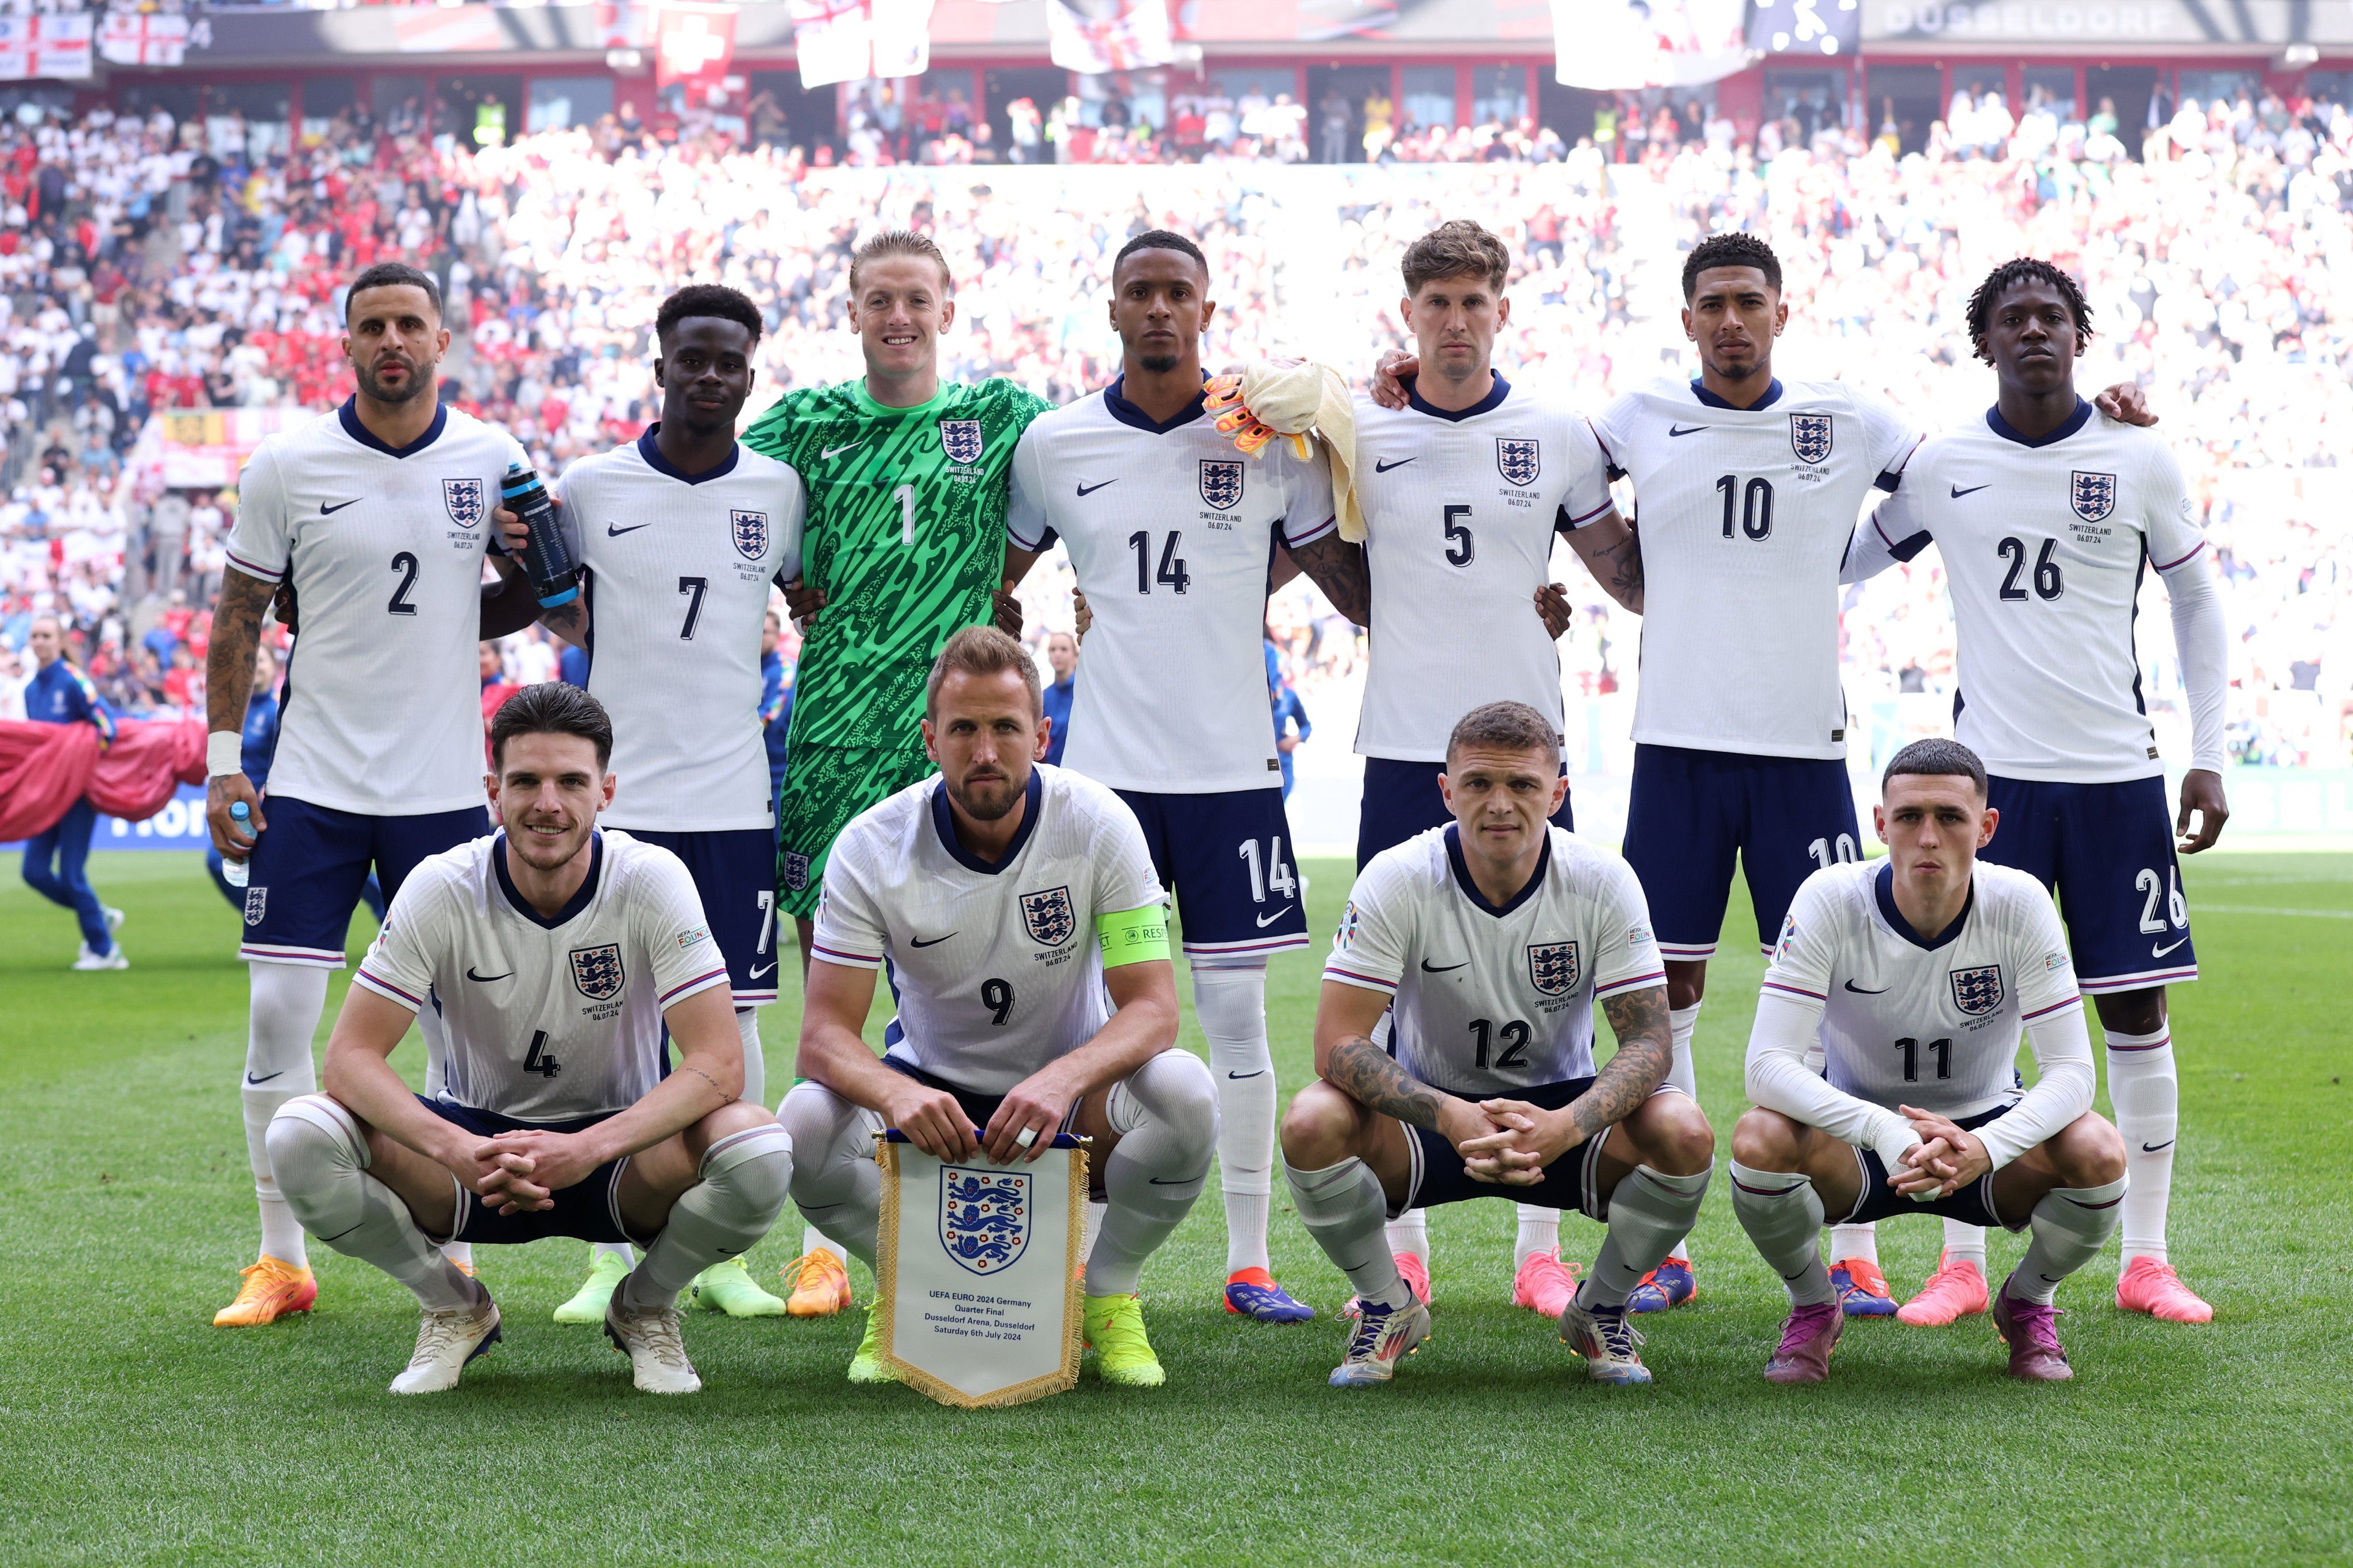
x,y
405,565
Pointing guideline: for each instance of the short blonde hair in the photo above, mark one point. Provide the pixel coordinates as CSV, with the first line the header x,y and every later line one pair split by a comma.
x,y
900,242
1503,727
982,650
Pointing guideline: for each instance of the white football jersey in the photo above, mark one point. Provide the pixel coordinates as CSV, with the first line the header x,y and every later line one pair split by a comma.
x,y
1744,514
1933,1025
2043,544
547,1019
995,968
384,704
682,568
1460,513
1493,1000
1171,532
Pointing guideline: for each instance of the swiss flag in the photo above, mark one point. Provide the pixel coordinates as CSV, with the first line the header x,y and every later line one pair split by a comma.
x,y
692,42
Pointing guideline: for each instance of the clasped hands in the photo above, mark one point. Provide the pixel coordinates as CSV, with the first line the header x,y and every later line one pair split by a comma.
x,y
1944,1160
521,1172
1508,1143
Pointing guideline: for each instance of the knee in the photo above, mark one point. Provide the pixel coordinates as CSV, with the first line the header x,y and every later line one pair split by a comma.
x,y
2133,1012
312,1136
1675,1136
1765,1139
1319,1129
2088,1151
753,1163
811,1113
1176,1090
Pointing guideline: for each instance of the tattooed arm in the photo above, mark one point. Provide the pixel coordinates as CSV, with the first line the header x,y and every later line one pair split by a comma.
x,y
1338,568
229,686
1533,1138
1346,1058
1612,552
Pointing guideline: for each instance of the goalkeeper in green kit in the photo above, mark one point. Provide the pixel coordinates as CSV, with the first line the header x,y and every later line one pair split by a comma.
x,y
904,546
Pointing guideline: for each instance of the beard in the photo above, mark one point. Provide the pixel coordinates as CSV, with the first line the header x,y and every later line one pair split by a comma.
x,y
989,800
420,382
542,854
1159,364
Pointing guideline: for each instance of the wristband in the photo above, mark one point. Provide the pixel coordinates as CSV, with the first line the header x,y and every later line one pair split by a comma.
x,y
1132,936
223,752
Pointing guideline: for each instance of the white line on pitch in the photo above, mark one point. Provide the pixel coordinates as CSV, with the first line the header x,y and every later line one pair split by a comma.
x,y
2264,910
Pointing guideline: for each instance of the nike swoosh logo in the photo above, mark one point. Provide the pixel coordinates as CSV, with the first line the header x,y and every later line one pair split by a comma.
x,y
1266,921
1381,468
612,533
265,1077
1261,1073
1430,968
764,969
471,975
2161,951
830,453
2156,1148
326,511
1860,992
1089,489
2048,1281
1685,430
1959,492
1180,1182
1800,1274
936,941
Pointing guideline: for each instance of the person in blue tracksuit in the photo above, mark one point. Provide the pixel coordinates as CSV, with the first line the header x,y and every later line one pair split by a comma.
x,y
55,861
1288,710
776,701
1063,653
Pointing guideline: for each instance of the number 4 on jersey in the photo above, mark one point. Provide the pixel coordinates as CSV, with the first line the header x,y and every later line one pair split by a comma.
x,y
536,1059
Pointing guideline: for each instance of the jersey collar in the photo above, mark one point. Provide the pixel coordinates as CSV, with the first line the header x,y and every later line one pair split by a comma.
x,y
1709,399
1471,888
1487,405
661,465
1126,412
2075,422
350,415
868,408
1883,889
578,902
944,822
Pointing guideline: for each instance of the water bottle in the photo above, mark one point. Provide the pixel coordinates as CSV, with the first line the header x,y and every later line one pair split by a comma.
x,y
546,559
235,872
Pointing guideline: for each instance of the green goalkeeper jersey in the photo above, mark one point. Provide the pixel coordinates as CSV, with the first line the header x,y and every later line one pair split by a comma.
x,y
905,536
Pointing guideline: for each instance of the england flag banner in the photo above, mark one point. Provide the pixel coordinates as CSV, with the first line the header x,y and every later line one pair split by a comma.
x,y
976,1273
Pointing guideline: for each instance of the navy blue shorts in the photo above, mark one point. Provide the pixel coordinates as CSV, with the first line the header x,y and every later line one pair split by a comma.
x,y
1227,860
1401,799
1787,817
1569,1184
2106,850
734,874
1972,1205
589,1210
308,865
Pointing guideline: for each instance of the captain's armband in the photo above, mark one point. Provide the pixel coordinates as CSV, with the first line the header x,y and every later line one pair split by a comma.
x,y
1132,936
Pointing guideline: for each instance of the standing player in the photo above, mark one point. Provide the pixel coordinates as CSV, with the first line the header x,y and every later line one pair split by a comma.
x,y
1914,975
1016,905
1487,942
564,1114
55,859
681,533
1464,490
907,485
1171,534
379,515
2047,515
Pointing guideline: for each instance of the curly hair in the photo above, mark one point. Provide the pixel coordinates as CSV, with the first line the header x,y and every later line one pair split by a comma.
x,y
2025,269
707,299
1733,250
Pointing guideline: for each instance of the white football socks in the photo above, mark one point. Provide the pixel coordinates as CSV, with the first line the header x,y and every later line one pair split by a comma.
x,y
1410,1232
1681,1022
1648,1210
1230,1004
1342,1206
1539,1232
1965,1243
755,1064
437,1068
837,1185
1165,1114
1783,1215
2071,1224
742,1186
287,1000
321,1161
2146,1094
1855,1241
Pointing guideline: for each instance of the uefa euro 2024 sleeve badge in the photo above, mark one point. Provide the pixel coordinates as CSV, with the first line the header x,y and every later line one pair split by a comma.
x,y
983,1216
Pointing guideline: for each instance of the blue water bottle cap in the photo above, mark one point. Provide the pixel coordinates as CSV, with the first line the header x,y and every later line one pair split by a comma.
x,y
239,812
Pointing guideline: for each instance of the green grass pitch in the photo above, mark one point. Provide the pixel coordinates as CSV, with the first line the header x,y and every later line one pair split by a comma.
x,y
132,1431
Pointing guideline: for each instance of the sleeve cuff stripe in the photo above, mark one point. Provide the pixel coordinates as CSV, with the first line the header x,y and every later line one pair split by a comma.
x,y
1589,517
1350,977
1318,531
389,990
1025,543
834,953
2169,565
1795,991
1631,982
719,973
253,569
2055,1008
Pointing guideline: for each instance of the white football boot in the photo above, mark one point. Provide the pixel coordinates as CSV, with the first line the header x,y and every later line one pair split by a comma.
x,y
650,1340
445,1341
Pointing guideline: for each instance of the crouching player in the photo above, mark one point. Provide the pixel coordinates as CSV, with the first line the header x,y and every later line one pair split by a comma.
x,y
1919,970
1028,940
556,955
1494,935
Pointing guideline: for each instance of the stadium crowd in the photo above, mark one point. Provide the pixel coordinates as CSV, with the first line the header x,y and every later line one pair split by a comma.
x,y
151,264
